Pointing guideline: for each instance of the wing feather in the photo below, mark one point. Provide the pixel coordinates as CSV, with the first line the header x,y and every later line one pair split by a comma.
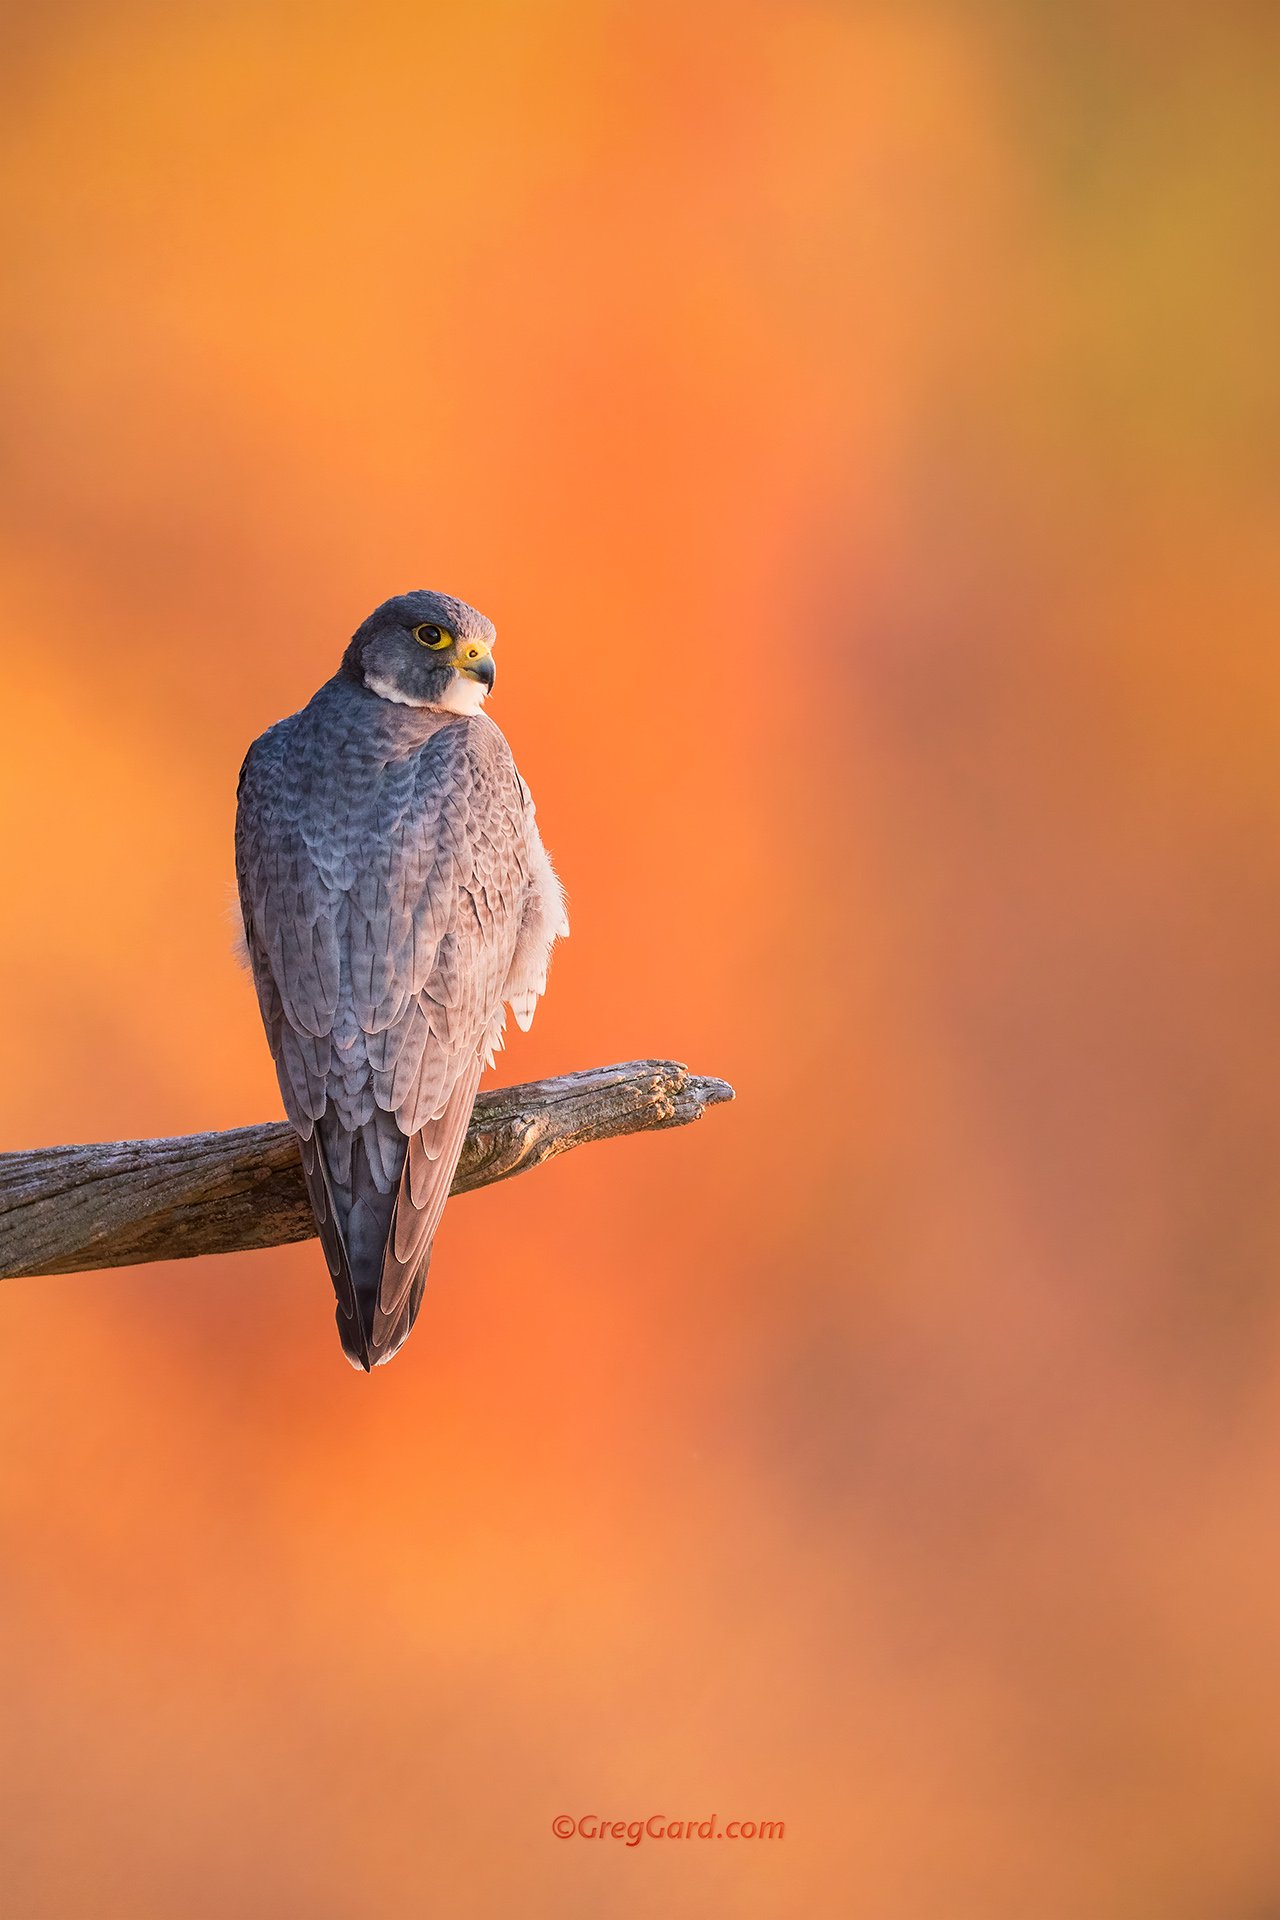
x,y
385,880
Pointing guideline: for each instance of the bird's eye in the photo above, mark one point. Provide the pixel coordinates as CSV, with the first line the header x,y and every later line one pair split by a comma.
x,y
435,637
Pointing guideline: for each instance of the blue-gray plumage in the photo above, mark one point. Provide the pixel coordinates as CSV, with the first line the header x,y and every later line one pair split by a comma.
x,y
396,898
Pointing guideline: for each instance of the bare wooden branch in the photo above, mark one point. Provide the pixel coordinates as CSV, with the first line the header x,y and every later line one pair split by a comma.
x,y
120,1202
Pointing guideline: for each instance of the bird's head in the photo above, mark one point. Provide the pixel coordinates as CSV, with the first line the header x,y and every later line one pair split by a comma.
x,y
425,650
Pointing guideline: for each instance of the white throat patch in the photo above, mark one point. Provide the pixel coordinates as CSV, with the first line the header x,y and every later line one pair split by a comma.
x,y
462,695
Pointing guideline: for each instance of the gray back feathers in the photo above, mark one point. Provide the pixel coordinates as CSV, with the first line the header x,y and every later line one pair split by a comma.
x,y
386,858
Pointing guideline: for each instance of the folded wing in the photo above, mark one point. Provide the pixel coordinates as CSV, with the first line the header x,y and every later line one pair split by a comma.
x,y
383,907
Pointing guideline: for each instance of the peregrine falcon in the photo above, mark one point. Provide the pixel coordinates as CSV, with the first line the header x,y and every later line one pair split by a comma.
x,y
396,898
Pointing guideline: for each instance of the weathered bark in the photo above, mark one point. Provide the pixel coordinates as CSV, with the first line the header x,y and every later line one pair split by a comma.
x,y
120,1202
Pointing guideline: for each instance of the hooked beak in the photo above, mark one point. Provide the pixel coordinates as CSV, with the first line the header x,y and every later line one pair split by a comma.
x,y
476,661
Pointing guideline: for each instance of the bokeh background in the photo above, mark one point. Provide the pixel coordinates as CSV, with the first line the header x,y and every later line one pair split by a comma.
x,y
861,422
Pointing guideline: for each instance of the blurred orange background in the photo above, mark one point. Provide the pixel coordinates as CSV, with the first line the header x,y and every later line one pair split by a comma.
x,y
861,423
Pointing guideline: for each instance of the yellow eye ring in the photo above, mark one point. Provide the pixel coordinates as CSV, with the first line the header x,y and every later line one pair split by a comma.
x,y
433,637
